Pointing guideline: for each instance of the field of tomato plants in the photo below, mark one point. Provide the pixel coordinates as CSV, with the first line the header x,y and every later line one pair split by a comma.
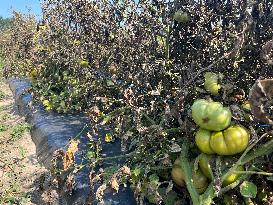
x,y
185,85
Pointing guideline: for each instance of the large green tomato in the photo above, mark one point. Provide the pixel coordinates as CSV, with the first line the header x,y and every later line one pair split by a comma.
x,y
210,115
231,141
199,180
204,164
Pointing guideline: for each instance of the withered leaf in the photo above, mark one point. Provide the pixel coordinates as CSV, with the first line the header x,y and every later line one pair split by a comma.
x,y
114,183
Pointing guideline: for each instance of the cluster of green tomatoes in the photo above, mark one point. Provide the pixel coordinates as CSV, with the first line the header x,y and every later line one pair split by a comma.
x,y
215,136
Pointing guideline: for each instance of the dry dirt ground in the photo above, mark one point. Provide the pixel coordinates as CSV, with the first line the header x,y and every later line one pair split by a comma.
x,y
20,173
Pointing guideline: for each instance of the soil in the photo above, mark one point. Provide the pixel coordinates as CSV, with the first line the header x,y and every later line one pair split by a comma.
x,y
20,172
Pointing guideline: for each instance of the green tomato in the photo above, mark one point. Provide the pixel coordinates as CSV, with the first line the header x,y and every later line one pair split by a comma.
x,y
178,175
199,180
210,115
181,16
211,83
232,177
204,165
202,140
231,141
213,88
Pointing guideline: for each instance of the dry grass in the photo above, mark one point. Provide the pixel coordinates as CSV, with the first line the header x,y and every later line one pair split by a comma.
x,y
19,169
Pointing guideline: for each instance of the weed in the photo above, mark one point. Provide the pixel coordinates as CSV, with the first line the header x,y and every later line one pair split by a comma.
x,y
22,151
4,117
3,127
2,95
1,62
18,130
5,107
13,195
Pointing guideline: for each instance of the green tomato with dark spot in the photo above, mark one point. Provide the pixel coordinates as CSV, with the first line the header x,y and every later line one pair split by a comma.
x,y
210,115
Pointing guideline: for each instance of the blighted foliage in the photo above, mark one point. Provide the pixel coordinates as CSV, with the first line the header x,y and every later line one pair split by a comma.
x,y
131,66
18,44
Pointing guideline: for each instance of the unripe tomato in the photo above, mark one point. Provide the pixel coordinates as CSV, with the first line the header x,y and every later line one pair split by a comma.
x,y
233,177
210,115
211,83
181,16
202,140
231,141
178,175
204,165
199,180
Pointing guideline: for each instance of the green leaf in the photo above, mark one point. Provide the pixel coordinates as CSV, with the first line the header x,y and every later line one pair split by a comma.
x,y
154,177
137,171
169,198
109,171
154,181
3,127
248,189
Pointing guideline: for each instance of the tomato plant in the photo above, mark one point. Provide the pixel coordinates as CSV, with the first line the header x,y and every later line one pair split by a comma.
x,y
136,66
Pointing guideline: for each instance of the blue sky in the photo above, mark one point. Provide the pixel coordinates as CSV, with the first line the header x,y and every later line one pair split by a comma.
x,y
19,5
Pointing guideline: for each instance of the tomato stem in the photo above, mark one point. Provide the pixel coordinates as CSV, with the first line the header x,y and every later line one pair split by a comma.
x,y
185,165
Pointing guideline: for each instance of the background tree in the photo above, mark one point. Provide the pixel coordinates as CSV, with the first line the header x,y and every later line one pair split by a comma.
x,y
4,23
